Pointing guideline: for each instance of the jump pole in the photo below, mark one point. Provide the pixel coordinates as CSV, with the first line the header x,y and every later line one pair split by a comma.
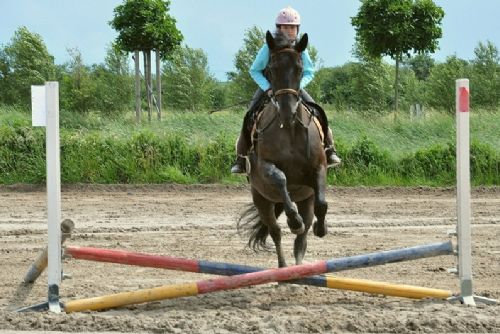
x,y
256,278
463,196
229,269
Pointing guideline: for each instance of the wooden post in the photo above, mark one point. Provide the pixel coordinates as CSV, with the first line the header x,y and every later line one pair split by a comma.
x,y
54,269
137,88
146,81
158,83
463,191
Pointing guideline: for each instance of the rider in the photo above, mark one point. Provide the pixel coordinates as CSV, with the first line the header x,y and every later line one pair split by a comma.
x,y
288,21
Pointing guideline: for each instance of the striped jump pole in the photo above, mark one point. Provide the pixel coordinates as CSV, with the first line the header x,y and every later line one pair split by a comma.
x,y
256,278
229,269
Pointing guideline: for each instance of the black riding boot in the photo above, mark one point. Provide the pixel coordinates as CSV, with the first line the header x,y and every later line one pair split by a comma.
x,y
332,159
244,141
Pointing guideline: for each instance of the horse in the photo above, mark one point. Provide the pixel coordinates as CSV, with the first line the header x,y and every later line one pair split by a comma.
x,y
286,167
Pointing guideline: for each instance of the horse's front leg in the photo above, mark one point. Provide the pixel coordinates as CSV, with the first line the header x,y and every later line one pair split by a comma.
x,y
277,178
306,210
320,204
268,217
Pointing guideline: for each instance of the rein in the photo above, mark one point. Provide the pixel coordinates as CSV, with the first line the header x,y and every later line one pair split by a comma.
x,y
292,91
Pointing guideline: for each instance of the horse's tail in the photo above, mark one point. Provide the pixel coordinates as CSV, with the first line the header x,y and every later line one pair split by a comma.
x,y
250,224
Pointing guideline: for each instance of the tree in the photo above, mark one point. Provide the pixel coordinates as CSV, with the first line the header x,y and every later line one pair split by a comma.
x,y
485,76
188,79
77,88
116,60
421,64
105,87
335,85
114,92
397,27
440,85
370,86
241,81
145,25
24,62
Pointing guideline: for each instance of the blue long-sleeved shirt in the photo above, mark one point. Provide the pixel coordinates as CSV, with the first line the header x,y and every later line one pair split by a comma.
x,y
261,61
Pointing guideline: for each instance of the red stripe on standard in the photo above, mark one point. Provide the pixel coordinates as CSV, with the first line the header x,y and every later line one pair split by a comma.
x,y
463,100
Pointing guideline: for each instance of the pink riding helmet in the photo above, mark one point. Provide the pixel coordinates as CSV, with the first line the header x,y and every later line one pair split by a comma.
x,y
288,16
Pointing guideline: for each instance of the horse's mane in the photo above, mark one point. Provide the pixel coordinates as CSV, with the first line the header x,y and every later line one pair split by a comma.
x,y
281,40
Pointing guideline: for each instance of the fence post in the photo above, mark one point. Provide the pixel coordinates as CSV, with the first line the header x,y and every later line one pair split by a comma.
x,y
54,269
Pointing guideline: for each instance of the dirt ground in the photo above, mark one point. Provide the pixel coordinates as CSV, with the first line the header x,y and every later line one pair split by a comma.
x,y
199,222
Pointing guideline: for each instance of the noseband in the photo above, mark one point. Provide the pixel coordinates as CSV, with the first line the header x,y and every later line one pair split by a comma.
x,y
286,91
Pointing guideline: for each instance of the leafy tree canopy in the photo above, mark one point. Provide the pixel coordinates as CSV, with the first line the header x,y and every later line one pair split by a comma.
x,y
396,27
188,79
145,25
24,62
421,64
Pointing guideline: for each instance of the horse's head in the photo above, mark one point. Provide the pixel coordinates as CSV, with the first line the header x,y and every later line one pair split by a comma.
x,y
285,73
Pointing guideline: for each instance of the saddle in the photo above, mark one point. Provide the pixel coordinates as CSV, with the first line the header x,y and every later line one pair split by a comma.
x,y
312,109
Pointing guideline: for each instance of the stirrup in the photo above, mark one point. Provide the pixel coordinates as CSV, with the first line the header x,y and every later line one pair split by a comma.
x,y
332,159
239,166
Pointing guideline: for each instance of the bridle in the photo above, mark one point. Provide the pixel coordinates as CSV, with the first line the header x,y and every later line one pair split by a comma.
x,y
285,90
292,91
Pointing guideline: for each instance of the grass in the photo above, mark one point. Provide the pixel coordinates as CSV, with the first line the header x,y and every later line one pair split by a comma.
x,y
400,136
405,135
190,147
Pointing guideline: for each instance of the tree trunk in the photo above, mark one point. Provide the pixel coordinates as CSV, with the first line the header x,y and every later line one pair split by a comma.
x,y
396,86
137,88
146,81
158,84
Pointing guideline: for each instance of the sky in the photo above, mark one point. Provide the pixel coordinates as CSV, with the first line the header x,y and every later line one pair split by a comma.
x,y
218,26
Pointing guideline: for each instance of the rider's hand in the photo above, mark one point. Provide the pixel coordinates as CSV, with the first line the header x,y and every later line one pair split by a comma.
x,y
269,92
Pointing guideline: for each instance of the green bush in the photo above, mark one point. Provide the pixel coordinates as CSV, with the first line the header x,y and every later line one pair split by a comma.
x,y
215,160
434,164
22,155
363,164
189,148
485,164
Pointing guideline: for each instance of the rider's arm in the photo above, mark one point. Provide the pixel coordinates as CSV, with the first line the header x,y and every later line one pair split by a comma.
x,y
258,67
308,69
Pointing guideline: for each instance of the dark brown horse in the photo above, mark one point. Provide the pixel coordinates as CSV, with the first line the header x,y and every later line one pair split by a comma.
x,y
287,167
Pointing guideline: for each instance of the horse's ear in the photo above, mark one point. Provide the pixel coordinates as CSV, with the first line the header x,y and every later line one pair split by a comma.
x,y
270,40
302,44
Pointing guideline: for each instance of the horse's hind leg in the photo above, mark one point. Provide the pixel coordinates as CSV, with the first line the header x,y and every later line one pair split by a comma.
x,y
306,211
320,204
277,178
268,217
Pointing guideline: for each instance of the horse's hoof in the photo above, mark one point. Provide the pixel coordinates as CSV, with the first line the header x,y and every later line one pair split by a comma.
x,y
298,231
296,224
319,230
